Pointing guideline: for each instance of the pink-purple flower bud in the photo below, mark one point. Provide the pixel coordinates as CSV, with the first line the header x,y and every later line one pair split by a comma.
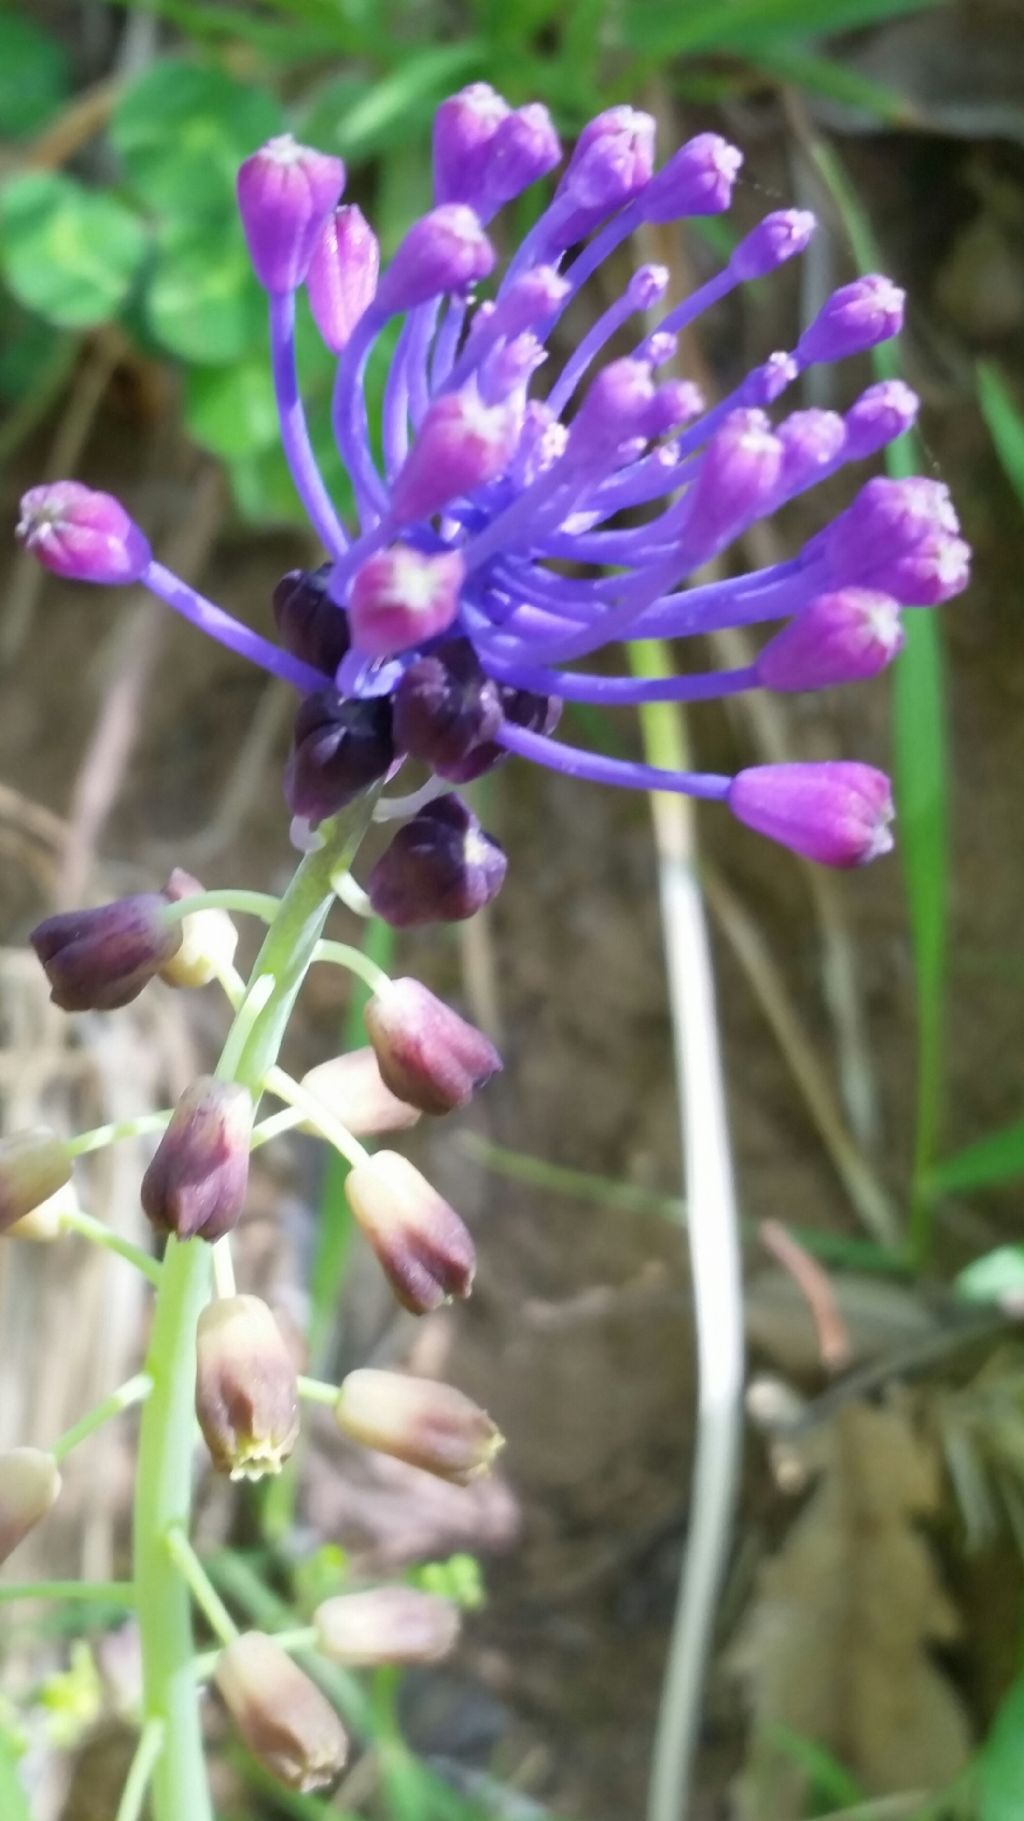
x,y
196,1183
309,623
697,180
618,405
780,236
837,812
280,1714
82,535
447,712
34,1165
880,415
420,1421
464,128
286,191
612,161
96,960
402,597
524,149
352,1090
764,384
530,299
29,1487
423,1246
737,476
428,1055
855,318
441,867
460,446
837,638
339,748
247,1389
401,1625
811,443
342,277
444,251
208,938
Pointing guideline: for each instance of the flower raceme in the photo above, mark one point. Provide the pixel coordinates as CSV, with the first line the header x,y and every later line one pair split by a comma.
x,y
507,534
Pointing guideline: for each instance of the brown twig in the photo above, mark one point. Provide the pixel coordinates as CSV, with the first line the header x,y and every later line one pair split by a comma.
x,y
815,1286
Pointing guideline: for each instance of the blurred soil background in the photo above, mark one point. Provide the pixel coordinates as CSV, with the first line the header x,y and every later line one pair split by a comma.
x,y
872,1621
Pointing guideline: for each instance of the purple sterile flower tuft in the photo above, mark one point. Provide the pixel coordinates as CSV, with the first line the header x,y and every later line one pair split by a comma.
x,y
837,812
441,867
509,530
286,191
83,535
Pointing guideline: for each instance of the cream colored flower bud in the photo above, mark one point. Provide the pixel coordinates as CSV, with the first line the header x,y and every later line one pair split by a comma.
x,y
208,938
424,1247
29,1486
33,1165
280,1714
386,1625
352,1090
46,1223
247,1394
420,1421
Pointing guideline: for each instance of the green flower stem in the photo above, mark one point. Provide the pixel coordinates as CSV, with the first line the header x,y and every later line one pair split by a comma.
x,y
274,1126
200,1586
301,1637
102,1135
136,1787
342,954
74,1221
247,904
315,1113
316,1391
134,1391
180,1789
112,1593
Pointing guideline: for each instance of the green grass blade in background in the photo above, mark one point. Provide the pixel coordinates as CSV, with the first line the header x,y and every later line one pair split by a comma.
x,y
709,25
1000,1765
997,1158
1005,424
827,76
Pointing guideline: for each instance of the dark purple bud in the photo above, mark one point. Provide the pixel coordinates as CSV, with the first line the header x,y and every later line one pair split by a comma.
x,y
309,624
446,710
444,251
196,1183
34,1165
461,444
837,638
98,959
339,749
422,1245
697,180
464,128
402,597
82,535
441,867
837,812
524,149
247,1392
855,318
428,1055
286,192
775,239
420,1421
342,276
280,1714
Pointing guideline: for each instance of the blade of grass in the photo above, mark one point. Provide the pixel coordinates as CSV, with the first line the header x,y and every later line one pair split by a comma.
x,y
1005,424
997,1158
711,25
826,76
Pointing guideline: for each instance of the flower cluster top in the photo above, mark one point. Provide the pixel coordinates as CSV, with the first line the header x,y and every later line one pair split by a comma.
x,y
515,525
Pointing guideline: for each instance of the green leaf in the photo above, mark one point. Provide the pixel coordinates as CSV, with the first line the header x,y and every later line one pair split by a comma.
x,y
1005,424
68,253
358,122
827,76
13,1800
181,132
34,75
993,1278
999,1769
231,410
742,25
202,300
28,349
997,1158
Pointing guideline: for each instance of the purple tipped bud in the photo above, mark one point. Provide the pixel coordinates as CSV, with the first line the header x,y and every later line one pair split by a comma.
x,y
778,237
738,473
524,149
461,445
811,444
697,180
508,370
98,959
441,867
423,1247
280,1714
446,710
444,251
286,192
247,1390
837,638
82,535
838,813
661,346
339,749
401,597
880,415
647,286
33,1166
612,161
674,404
893,530
464,127
386,1625
618,405
530,299
419,1421
855,318
309,623
769,381
352,1090
428,1055
29,1487
196,1183
936,570
342,276
208,938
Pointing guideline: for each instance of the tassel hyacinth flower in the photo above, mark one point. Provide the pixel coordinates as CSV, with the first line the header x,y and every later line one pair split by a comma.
x,y
513,529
